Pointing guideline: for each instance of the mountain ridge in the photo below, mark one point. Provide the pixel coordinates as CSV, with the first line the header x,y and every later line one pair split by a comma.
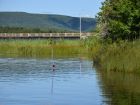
x,y
45,21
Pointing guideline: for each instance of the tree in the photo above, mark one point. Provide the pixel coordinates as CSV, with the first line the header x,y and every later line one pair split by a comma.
x,y
120,19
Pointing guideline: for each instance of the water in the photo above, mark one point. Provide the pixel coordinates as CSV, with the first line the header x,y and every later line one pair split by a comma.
x,y
120,88
34,82
73,81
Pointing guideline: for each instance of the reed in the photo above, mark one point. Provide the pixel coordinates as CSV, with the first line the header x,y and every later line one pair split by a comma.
x,y
40,48
121,56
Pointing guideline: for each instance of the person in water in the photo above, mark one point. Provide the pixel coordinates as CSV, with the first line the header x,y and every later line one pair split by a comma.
x,y
53,67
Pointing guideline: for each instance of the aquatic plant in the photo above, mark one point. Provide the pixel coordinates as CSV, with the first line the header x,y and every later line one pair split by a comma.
x,y
40,48
121,55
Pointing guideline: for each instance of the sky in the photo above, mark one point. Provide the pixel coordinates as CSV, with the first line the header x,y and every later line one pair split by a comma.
x,y
86,8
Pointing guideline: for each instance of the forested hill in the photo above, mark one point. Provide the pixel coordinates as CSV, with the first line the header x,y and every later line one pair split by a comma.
x,y
44,22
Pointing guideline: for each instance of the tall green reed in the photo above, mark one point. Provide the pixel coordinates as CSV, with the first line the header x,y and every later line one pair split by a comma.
x,y
40,48
121,55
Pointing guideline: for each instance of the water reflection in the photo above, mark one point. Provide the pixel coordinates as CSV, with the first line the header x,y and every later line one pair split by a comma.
x,y
120,88
35,82
72,81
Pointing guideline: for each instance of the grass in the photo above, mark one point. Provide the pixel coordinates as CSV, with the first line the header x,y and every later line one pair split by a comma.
x,y
123,56
40,48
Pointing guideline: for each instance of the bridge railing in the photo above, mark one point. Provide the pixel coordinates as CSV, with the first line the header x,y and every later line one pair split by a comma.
x,y
43,35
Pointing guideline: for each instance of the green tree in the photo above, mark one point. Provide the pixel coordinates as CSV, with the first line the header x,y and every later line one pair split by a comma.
x,y
120,19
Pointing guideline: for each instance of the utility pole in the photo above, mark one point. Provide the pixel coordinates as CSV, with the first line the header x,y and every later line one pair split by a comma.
x,y
80,26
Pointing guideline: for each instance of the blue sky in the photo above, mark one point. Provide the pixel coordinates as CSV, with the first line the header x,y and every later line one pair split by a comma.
x,y
63,7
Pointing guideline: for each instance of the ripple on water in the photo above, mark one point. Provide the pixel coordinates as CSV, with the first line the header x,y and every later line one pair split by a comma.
x,y
34,82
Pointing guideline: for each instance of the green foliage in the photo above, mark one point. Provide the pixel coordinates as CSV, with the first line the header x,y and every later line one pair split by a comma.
x,y
120,19
120,55
93,44
41,48
29,30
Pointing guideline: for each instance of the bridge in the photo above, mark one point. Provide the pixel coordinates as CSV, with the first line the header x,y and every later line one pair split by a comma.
x,y
44,35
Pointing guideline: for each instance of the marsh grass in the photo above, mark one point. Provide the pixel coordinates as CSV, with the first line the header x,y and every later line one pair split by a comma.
x,y
121,56
40,48
116,56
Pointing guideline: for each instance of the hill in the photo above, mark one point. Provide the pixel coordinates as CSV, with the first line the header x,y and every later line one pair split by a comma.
x,y
44,22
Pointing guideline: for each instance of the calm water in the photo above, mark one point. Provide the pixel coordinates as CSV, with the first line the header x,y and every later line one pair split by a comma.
x,y
72,82
33,82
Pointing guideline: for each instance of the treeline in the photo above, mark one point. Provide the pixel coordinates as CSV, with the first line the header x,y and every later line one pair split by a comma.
x,y
120,19
30,30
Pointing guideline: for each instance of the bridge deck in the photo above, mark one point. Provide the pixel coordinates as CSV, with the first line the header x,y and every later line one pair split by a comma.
x,y
44,35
